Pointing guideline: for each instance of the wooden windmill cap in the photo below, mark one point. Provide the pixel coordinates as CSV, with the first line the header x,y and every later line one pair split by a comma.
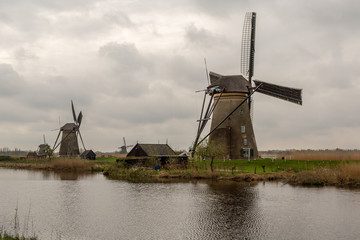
x,y
69,127
232,83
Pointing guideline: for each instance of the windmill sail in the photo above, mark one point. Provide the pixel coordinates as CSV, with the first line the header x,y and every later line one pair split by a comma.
x,y
73,111
293,95
248,46
79,118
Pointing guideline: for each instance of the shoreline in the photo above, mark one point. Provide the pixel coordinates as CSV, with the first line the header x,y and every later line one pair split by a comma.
x,y
339,177
343,175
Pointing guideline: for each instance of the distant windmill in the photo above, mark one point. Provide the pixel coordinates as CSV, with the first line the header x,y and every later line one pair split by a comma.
x,y
43,148
230,102
69,143
124,147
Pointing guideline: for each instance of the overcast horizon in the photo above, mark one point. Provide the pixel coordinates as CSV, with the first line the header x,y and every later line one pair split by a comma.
x,y
132,68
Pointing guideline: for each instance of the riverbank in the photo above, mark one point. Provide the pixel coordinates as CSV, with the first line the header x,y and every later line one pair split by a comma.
x,y
299,172
317,173
56,164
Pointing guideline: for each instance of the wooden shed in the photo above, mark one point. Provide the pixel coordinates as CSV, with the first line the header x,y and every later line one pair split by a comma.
x,y
142,153
88,154
151,150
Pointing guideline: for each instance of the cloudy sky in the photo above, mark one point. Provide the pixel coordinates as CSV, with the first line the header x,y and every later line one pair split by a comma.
x,y
132,67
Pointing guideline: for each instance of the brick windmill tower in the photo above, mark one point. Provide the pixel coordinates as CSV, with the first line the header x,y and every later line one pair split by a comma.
x,y
230,103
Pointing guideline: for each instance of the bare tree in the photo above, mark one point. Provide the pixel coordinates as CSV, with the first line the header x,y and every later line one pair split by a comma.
x,y
212,151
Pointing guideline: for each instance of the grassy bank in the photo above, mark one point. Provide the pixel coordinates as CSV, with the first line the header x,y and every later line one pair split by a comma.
x,y
343,175
57,164
263,166
306,172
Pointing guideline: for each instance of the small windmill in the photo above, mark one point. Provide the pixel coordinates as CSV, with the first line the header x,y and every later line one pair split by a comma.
x,y
43,148
123,149
70,131
231,125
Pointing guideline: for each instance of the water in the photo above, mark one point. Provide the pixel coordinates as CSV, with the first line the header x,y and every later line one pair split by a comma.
x,y
93,207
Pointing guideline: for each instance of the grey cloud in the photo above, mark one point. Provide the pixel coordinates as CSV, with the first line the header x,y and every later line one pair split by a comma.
x,y
202,38
35,20
21,55
182,71
16,112
221,8
153,107
46,4
337,16
156,111
126,70
11,82
125,56
119,18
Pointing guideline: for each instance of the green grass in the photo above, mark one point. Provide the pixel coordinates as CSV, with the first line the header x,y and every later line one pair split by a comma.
x,y
6,158
276,165
105,160
6,236
305,172
237,166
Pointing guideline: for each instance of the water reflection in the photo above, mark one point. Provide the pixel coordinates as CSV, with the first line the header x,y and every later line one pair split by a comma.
x,y
58,175
232,209
93,207
71,175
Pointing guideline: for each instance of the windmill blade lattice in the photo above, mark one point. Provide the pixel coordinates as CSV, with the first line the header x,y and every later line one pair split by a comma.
x,y
293,95
248,46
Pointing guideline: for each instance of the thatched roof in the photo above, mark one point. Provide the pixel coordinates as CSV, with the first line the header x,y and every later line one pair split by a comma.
x,y
86,152
232,83
69,127
151,150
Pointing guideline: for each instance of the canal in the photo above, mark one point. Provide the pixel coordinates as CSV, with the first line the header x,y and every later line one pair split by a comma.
x,y
70,206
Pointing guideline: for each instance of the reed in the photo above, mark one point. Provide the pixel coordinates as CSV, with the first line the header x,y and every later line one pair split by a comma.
x,y
58,164
339,155
71,164
343,175
349,174
15,234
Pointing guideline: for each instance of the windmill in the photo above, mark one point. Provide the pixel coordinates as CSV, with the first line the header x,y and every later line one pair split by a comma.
x,y
70,131
230,102
43,148
124,147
